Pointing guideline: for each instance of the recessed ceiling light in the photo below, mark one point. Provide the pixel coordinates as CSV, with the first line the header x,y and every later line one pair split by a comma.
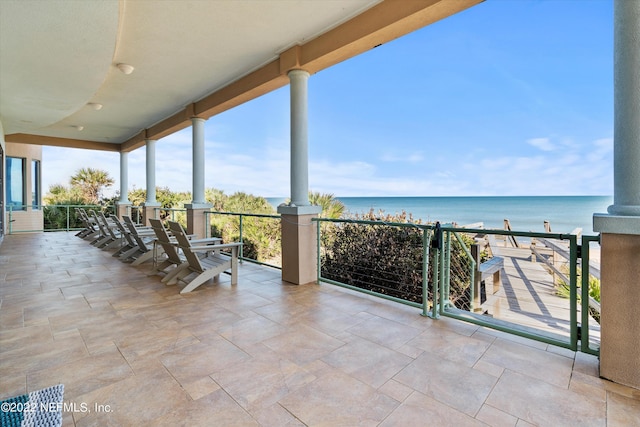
x,y
78,127
125,68
96,106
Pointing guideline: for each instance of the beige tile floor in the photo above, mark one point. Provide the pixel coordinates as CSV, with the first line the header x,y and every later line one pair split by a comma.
x,y
133,351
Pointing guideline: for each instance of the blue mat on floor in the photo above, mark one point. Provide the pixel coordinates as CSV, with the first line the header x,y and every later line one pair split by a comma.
x,y
42,408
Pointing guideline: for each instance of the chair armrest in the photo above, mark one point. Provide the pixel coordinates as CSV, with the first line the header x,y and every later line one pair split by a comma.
x,y
208,240
215,247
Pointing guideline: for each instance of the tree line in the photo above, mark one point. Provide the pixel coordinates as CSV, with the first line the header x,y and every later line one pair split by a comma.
x,y
87,185
383,259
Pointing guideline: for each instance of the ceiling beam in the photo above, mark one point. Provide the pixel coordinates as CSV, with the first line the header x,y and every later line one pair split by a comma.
x,y
263,80
382,23
23,138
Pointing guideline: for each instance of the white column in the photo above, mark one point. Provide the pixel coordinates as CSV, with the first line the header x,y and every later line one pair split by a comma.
x,y
151,172
626,151
124,177
299,138
620,228
299,239
198,161
623,215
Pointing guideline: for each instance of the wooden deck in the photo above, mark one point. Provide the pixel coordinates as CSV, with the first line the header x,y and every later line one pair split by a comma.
x,y
528,297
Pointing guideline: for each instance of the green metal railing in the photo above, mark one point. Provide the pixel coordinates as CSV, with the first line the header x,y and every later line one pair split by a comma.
x,y
350,252
421,265
447,274
512,328
586,344
171,214
254,247
55,217
233,231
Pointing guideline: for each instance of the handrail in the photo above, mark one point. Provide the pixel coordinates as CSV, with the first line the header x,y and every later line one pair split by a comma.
x,y
240,216
43,209
436,288
445,227
593,270
424,267
244,214
549,264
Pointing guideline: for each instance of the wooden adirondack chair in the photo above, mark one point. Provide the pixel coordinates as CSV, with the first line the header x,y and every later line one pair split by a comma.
x,y
200,270
144,237
106,238
129,245
90,230
170,248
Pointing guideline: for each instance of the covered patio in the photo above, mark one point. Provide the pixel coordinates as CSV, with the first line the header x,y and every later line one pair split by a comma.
x,y
134,351
266,351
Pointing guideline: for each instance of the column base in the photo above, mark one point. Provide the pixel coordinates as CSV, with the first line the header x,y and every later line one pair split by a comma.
x,y
123,208
616,224
196,219
299,248
149,211
620,308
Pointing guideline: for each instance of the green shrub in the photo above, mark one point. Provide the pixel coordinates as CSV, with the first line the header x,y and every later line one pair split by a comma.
x,y
562,290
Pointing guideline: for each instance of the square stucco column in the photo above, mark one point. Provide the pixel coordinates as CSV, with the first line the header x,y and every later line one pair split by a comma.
x,y
149,211
620,304
299,248
196,219
122,209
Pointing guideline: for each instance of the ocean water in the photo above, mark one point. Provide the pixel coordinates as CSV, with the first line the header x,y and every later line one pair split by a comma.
x,y
525,213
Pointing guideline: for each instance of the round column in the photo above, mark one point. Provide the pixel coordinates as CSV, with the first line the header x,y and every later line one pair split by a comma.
x,y
151,171
198,160
124,177
299,138
626,151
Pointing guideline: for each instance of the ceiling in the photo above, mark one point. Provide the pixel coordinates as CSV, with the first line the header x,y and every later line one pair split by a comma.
x,y
191,58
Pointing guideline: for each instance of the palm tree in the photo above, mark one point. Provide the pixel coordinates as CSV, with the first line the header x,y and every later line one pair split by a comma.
x,y
216,197
90,182
331,207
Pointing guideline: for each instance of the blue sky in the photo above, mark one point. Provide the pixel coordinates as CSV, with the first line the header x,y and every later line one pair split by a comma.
x,y
511,97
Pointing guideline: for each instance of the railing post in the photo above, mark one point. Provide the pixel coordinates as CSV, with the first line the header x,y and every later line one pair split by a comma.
x,y
584,296
442,285
585,346
573,295
10,219
436,244
319,267
426,234
68,217
436,283
476,280
241,237
447,269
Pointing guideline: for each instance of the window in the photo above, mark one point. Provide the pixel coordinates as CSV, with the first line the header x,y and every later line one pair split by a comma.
x,y
35,184
15,183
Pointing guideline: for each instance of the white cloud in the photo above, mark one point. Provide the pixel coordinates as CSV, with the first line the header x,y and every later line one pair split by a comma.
x,y
59,164
543,144
568,169
415,157
602,150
